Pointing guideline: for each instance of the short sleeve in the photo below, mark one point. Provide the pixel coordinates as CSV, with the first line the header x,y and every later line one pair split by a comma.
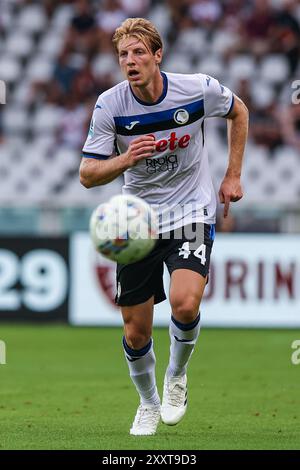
x,y
101,137
218,99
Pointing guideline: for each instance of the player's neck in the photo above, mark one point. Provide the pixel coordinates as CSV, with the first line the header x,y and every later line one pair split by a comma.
x,y
152,92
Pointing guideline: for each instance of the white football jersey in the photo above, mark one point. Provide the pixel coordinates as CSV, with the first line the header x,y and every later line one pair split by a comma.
x,y
176,180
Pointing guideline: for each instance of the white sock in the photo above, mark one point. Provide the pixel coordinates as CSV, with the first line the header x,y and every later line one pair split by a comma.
x,y
141,363
183,339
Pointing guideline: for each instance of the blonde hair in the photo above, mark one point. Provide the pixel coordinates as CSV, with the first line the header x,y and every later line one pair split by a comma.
x,y
141,29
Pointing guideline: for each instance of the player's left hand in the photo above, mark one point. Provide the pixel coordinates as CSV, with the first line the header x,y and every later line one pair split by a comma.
x,y
230,191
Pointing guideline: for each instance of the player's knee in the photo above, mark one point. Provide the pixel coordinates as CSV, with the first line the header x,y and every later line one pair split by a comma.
x,y
185,309
136,339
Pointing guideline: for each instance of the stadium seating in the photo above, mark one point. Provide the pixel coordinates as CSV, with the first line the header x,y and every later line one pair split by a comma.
x,y
41,167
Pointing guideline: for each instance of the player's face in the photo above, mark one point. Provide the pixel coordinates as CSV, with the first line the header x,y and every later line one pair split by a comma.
x,y
137,62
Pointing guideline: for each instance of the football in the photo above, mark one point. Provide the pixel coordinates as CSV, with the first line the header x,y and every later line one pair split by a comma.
x,y
124,229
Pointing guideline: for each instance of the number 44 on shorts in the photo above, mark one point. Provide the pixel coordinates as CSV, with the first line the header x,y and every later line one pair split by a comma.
x,y
199,253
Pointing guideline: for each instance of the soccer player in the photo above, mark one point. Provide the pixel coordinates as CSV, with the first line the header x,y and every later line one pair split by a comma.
x,y
156,120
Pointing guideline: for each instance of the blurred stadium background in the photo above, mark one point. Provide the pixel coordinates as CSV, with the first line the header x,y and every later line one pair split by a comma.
x,y
56,57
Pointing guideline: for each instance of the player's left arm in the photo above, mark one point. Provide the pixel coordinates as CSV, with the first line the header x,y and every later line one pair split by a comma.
x,y
237,126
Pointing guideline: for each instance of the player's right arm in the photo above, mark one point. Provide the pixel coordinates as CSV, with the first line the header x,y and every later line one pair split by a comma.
x,y
97,166
96,171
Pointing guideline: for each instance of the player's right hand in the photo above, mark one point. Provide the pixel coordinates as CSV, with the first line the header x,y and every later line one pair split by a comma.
x,y
140,148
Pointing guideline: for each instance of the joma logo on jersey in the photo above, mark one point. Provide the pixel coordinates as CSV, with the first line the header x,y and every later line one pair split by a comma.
x,y
173,142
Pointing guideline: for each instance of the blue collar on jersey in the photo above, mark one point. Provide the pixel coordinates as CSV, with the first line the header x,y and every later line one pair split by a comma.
x,y
162,96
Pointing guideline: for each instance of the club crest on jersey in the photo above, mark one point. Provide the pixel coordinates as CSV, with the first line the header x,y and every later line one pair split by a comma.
x,y
181,116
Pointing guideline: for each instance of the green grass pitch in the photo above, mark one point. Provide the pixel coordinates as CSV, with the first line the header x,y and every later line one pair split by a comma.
x,y
68,388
